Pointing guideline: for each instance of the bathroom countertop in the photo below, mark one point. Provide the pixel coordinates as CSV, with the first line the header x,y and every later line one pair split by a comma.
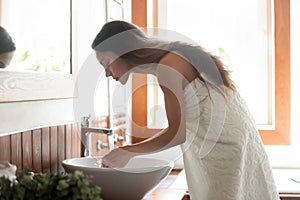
x,y
174,186
288,183
287,180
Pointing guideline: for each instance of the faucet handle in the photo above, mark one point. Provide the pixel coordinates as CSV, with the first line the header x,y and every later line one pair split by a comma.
x,y
118,138
85,121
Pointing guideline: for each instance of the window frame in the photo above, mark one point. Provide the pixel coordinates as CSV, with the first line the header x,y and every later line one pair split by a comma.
x,y
280,135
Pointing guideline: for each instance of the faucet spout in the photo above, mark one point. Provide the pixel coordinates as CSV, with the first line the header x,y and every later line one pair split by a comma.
x,y
86,131
106,131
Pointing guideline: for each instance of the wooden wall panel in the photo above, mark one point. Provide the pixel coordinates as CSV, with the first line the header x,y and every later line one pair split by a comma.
x,y
16,149
53,149
68,142
76,141
5,149
45,149
37,150
42,149
27,149
61,151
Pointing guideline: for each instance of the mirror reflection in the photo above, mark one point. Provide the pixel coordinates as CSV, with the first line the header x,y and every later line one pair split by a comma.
x,y
7,48
41,32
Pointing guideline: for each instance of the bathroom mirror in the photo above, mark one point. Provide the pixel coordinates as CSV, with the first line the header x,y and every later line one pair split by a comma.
x,y
42,67
41,31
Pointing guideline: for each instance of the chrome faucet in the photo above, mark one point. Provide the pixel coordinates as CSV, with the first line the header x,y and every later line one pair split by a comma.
x,y
86,131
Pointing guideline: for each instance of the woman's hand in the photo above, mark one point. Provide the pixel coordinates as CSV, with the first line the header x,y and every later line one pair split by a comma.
x,y
117,158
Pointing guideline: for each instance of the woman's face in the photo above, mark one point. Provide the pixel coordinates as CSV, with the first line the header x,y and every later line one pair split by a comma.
x,y
115,67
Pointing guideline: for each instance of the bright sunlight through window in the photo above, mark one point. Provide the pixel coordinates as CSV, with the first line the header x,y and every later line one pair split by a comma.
x,y
241,33
41,32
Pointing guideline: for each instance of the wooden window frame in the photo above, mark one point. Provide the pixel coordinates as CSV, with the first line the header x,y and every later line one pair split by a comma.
x,y
139,81
281,133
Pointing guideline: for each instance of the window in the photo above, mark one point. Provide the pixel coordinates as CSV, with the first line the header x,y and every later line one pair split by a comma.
x,y
241,37
254,41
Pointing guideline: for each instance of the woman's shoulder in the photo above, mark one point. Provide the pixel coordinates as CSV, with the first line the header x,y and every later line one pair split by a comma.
x,y
175,60
173,57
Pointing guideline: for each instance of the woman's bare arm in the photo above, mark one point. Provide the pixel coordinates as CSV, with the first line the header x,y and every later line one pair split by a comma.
x,y
171,81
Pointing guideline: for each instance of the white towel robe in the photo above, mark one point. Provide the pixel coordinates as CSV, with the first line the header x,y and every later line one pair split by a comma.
x,y
232,164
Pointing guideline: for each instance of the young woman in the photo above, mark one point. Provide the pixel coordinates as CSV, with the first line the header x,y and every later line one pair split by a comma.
x,y
7,48
224,157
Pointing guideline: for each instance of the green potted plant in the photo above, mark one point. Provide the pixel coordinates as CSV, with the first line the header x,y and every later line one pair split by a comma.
x,y
48,186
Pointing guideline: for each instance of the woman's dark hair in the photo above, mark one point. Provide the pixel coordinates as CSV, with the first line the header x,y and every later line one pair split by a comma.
x,y
110,29
130,43
6,42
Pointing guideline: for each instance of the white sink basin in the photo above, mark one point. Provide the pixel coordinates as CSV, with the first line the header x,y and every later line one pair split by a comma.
x,y
137,179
